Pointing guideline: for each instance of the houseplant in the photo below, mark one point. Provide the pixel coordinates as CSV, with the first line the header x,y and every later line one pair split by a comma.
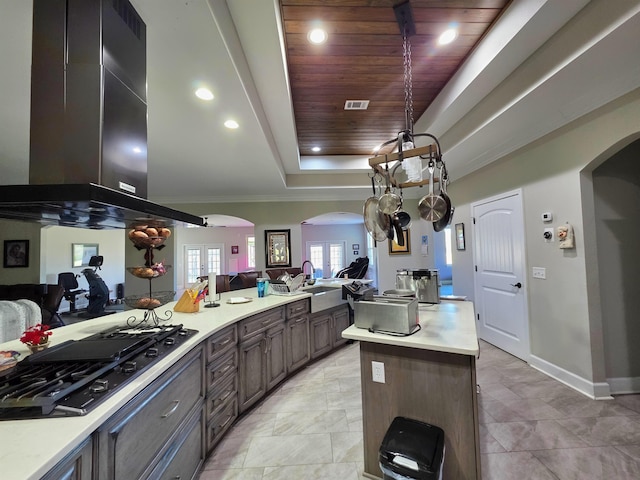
x,y
37,337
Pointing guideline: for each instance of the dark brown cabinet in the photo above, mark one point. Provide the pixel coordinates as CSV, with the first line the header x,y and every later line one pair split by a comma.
x,y
262,363
297,335
326,330
341,322
141,437
221,384
75,466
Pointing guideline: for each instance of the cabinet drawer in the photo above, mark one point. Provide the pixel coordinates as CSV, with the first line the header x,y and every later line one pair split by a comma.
x,y
259,323
297,308
225,390
135,435
184,455
220,423
221,342
221,367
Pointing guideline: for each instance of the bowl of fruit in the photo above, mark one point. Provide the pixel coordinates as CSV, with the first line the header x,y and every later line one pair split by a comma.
x,y
144,236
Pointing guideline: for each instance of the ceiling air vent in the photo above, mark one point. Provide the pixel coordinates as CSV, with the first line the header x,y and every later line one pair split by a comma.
x,y
356,104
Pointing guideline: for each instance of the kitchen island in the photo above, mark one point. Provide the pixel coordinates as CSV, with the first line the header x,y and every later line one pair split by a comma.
x,y
239,353
429,376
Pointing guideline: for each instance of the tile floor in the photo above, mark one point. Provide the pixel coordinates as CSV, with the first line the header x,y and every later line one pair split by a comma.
x,y
531,427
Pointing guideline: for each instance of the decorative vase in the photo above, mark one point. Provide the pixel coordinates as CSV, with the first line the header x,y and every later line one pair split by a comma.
x,y
38,348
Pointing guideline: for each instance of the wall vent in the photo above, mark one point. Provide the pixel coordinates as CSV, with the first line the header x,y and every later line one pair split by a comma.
x,y
356,104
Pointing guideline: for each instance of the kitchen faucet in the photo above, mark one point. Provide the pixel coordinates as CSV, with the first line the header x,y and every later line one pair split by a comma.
x,y
313,270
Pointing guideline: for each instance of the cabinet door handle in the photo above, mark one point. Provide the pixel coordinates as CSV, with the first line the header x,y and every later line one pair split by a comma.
x,y
225,396
225,423
171,410
300,320
224,370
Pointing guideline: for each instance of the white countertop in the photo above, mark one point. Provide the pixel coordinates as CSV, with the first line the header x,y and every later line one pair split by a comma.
x,y
446,327
30,448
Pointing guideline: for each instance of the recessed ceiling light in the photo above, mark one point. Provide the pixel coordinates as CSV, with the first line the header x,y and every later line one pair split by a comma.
x,y
231,124
204,94
317,36
447,36
316,149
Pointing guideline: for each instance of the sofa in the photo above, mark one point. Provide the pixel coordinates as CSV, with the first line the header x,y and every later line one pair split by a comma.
x,y
46,296
274,273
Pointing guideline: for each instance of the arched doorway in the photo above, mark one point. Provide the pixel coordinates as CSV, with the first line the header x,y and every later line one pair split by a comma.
x,y
616,194
225,246
332,241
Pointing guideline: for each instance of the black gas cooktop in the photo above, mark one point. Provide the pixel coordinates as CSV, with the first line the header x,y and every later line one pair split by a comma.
x,y
71,378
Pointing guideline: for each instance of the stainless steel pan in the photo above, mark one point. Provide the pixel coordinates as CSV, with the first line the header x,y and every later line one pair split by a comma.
x,y
443,222
432,207
377,224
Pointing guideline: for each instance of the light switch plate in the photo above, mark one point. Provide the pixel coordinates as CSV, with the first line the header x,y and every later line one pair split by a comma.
x,y
539,272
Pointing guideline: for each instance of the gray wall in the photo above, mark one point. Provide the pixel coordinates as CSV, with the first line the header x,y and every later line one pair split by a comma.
x,y
616,186
565,314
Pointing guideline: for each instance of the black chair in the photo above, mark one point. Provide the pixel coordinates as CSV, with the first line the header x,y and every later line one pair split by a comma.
x,y
69,282
356,270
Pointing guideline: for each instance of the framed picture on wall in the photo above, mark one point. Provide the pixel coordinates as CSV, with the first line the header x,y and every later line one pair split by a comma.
x,y
460,236
234,249
395,249
16,254
277,248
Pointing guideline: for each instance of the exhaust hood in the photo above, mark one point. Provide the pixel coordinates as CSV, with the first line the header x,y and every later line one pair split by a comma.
x,y
88,137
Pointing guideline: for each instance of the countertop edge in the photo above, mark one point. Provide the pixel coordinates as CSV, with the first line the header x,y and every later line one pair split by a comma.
x,y
446,327
14,441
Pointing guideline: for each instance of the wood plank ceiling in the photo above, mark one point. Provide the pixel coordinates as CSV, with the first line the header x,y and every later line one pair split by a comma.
x,y
363,60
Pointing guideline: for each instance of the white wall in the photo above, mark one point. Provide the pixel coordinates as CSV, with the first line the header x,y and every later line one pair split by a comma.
x,y
56,257
349,234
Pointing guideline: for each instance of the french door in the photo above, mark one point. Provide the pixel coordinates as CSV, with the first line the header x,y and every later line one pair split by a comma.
x,y
200,260
326,257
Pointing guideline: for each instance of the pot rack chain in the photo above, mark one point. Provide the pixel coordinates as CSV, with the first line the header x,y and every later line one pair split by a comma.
x,y
408,80
432,153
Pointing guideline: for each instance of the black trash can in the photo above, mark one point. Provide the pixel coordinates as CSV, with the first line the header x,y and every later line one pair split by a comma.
x,y
412,450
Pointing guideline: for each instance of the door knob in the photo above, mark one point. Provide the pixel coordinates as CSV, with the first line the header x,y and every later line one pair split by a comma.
x,y
517,285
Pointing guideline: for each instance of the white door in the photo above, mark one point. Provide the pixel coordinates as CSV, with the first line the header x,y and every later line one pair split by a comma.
x,y
326,257
499,257
200,260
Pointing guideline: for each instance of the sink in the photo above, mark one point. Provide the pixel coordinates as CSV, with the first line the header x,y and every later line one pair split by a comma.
x,y
316,290
324,297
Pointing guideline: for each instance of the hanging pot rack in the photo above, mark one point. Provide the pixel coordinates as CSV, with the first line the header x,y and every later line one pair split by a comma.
x,y
432,153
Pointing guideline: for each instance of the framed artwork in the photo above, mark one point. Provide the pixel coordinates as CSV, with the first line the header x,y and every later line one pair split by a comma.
x,y
460,236
234,249
81,253
16,254
277,248
355,252
395,249
355,246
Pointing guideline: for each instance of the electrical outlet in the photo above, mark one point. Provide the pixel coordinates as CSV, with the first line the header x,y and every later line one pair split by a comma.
x,y
539,272
377,370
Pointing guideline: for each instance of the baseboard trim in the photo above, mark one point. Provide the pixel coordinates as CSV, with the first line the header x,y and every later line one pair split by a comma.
x,y
624,385
596,391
